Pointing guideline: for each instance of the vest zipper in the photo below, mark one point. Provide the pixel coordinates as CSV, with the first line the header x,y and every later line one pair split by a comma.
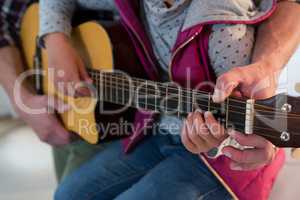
x,y
178,49
141,42
202,157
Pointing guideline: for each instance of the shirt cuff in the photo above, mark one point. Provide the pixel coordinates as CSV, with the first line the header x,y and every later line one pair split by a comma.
x,y
55,23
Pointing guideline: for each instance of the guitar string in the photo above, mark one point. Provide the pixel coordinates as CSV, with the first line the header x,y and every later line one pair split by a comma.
x,y
110,79
98,74
235,123
270,109
194,91
114,85
142,81
157,94
261,111
207,106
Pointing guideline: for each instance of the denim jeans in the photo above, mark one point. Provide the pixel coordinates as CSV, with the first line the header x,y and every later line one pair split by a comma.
x,y
72,156
159,168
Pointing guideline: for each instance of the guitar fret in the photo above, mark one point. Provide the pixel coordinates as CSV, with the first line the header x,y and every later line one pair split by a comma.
x,y
227,112
100,90
167,93
135,96
123,91
104,88
161,103
110,89
209,99
193,101
155,99
189,101
179,101
118,90
152,100
146,94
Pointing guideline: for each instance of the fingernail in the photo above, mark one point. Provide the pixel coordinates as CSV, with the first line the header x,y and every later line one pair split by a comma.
x,y
198,110
216,96
227,154
236,167
231,132
207,114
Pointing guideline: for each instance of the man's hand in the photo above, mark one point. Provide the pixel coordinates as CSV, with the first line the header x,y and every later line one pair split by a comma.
x,y
262,154
256,81
46,125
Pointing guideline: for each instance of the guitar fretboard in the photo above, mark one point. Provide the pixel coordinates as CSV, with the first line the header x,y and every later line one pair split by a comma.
x,y
167,98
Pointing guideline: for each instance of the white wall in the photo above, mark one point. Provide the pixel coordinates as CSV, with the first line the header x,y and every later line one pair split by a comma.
x,y
5,106
291,76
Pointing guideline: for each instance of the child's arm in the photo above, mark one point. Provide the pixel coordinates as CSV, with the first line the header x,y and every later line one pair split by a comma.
x,y
55,29
56,16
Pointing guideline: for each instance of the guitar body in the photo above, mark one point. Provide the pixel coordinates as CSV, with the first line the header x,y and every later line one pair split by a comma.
x,y
93,44
276,119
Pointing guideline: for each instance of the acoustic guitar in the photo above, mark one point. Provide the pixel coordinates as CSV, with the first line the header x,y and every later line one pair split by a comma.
x,y
276,119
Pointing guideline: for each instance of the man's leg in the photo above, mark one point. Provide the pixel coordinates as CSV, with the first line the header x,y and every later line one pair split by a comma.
x,y
110,173
180,176
72,156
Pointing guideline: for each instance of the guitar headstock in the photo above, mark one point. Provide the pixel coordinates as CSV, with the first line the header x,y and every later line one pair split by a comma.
x,y
278,120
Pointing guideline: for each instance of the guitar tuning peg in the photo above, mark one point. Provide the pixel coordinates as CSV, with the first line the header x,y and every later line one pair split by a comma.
x,y
285,136
295,153
297,87
286,108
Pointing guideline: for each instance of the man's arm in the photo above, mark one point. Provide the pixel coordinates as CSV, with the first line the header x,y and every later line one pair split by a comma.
x,y
278,37
56,15
277,40
46,125
11,13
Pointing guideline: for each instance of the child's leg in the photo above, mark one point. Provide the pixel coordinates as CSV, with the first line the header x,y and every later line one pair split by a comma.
x,y
230,46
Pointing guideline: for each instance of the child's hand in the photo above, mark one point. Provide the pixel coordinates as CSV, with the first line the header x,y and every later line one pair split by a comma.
x,y
69,70
201,132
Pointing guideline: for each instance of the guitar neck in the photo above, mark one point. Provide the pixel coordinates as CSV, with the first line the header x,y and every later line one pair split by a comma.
x,y
166,98
171,99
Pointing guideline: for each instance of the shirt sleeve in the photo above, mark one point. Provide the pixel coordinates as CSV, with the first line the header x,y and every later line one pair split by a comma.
x,y
56,16
11,12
